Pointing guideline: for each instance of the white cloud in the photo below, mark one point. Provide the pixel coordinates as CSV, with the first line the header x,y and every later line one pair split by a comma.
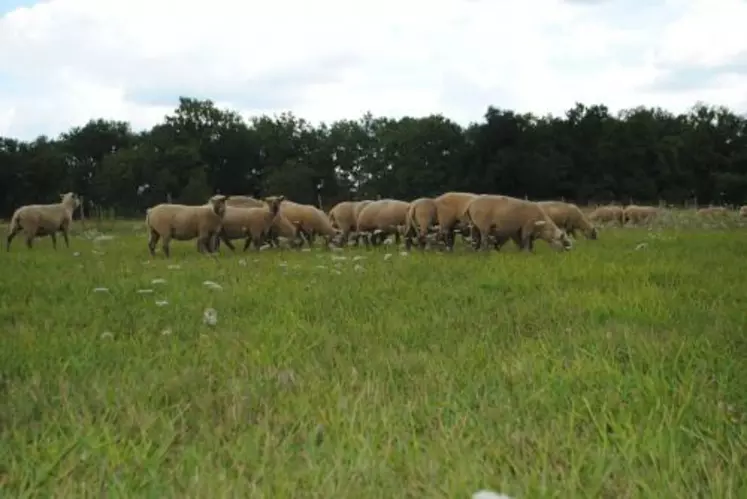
x,y
72,60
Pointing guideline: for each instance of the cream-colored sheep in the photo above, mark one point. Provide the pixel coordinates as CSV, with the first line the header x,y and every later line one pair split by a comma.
x,y
244,202
251,224
280,228
185,222
743,211
310,220
713,211
344,216
36,220
451,208
422,217
570,218
639,214
382,218
506,217
610,213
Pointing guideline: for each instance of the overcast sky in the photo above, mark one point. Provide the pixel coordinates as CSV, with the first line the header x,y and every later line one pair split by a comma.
x,y
63,62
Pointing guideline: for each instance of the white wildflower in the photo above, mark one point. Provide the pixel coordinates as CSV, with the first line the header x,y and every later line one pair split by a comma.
x,y
158,281
489,494
144,291
162,303
210,317
100,290
212,285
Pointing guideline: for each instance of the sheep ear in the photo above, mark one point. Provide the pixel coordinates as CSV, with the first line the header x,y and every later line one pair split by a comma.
x,y
539,223
281,198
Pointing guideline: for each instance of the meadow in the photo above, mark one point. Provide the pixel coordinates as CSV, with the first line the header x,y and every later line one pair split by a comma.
x,y
614,370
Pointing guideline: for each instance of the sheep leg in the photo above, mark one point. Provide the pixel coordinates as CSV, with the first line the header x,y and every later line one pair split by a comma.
x,y
247,242
225,240
29,241
257,238
449,238
152,241
526,243
11,235
499,241
66,238
476,239
204,243
165,246
306,236
53,237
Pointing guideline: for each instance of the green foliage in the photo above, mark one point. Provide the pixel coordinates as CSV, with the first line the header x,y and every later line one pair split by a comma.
x,y
616,370
588,155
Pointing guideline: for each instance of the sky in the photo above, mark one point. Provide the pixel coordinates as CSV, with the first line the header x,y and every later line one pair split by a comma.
x,y
63,62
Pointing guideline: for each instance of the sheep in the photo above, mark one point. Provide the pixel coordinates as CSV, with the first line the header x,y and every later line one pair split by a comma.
x,y
507,217
712,211
344,215
570,218
310,219
743,211
280,228
451,207
253,223
244,202
639,214
36,220
381,218
184,222
422,216
610,213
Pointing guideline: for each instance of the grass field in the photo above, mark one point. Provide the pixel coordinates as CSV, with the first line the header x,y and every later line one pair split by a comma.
x,y
616,370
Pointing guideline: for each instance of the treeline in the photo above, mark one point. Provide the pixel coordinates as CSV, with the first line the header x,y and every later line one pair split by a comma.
x,y
588,155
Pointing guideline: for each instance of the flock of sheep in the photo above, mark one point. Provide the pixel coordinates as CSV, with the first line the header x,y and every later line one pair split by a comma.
x,y
487,219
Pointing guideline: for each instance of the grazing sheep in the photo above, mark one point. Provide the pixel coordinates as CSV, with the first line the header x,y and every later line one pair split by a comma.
x,y
344,215
184,222
422,216
713,211
310,220
36,220
507,217
610,213
743,211
639,214
570,218
382,218
252,224
451,208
